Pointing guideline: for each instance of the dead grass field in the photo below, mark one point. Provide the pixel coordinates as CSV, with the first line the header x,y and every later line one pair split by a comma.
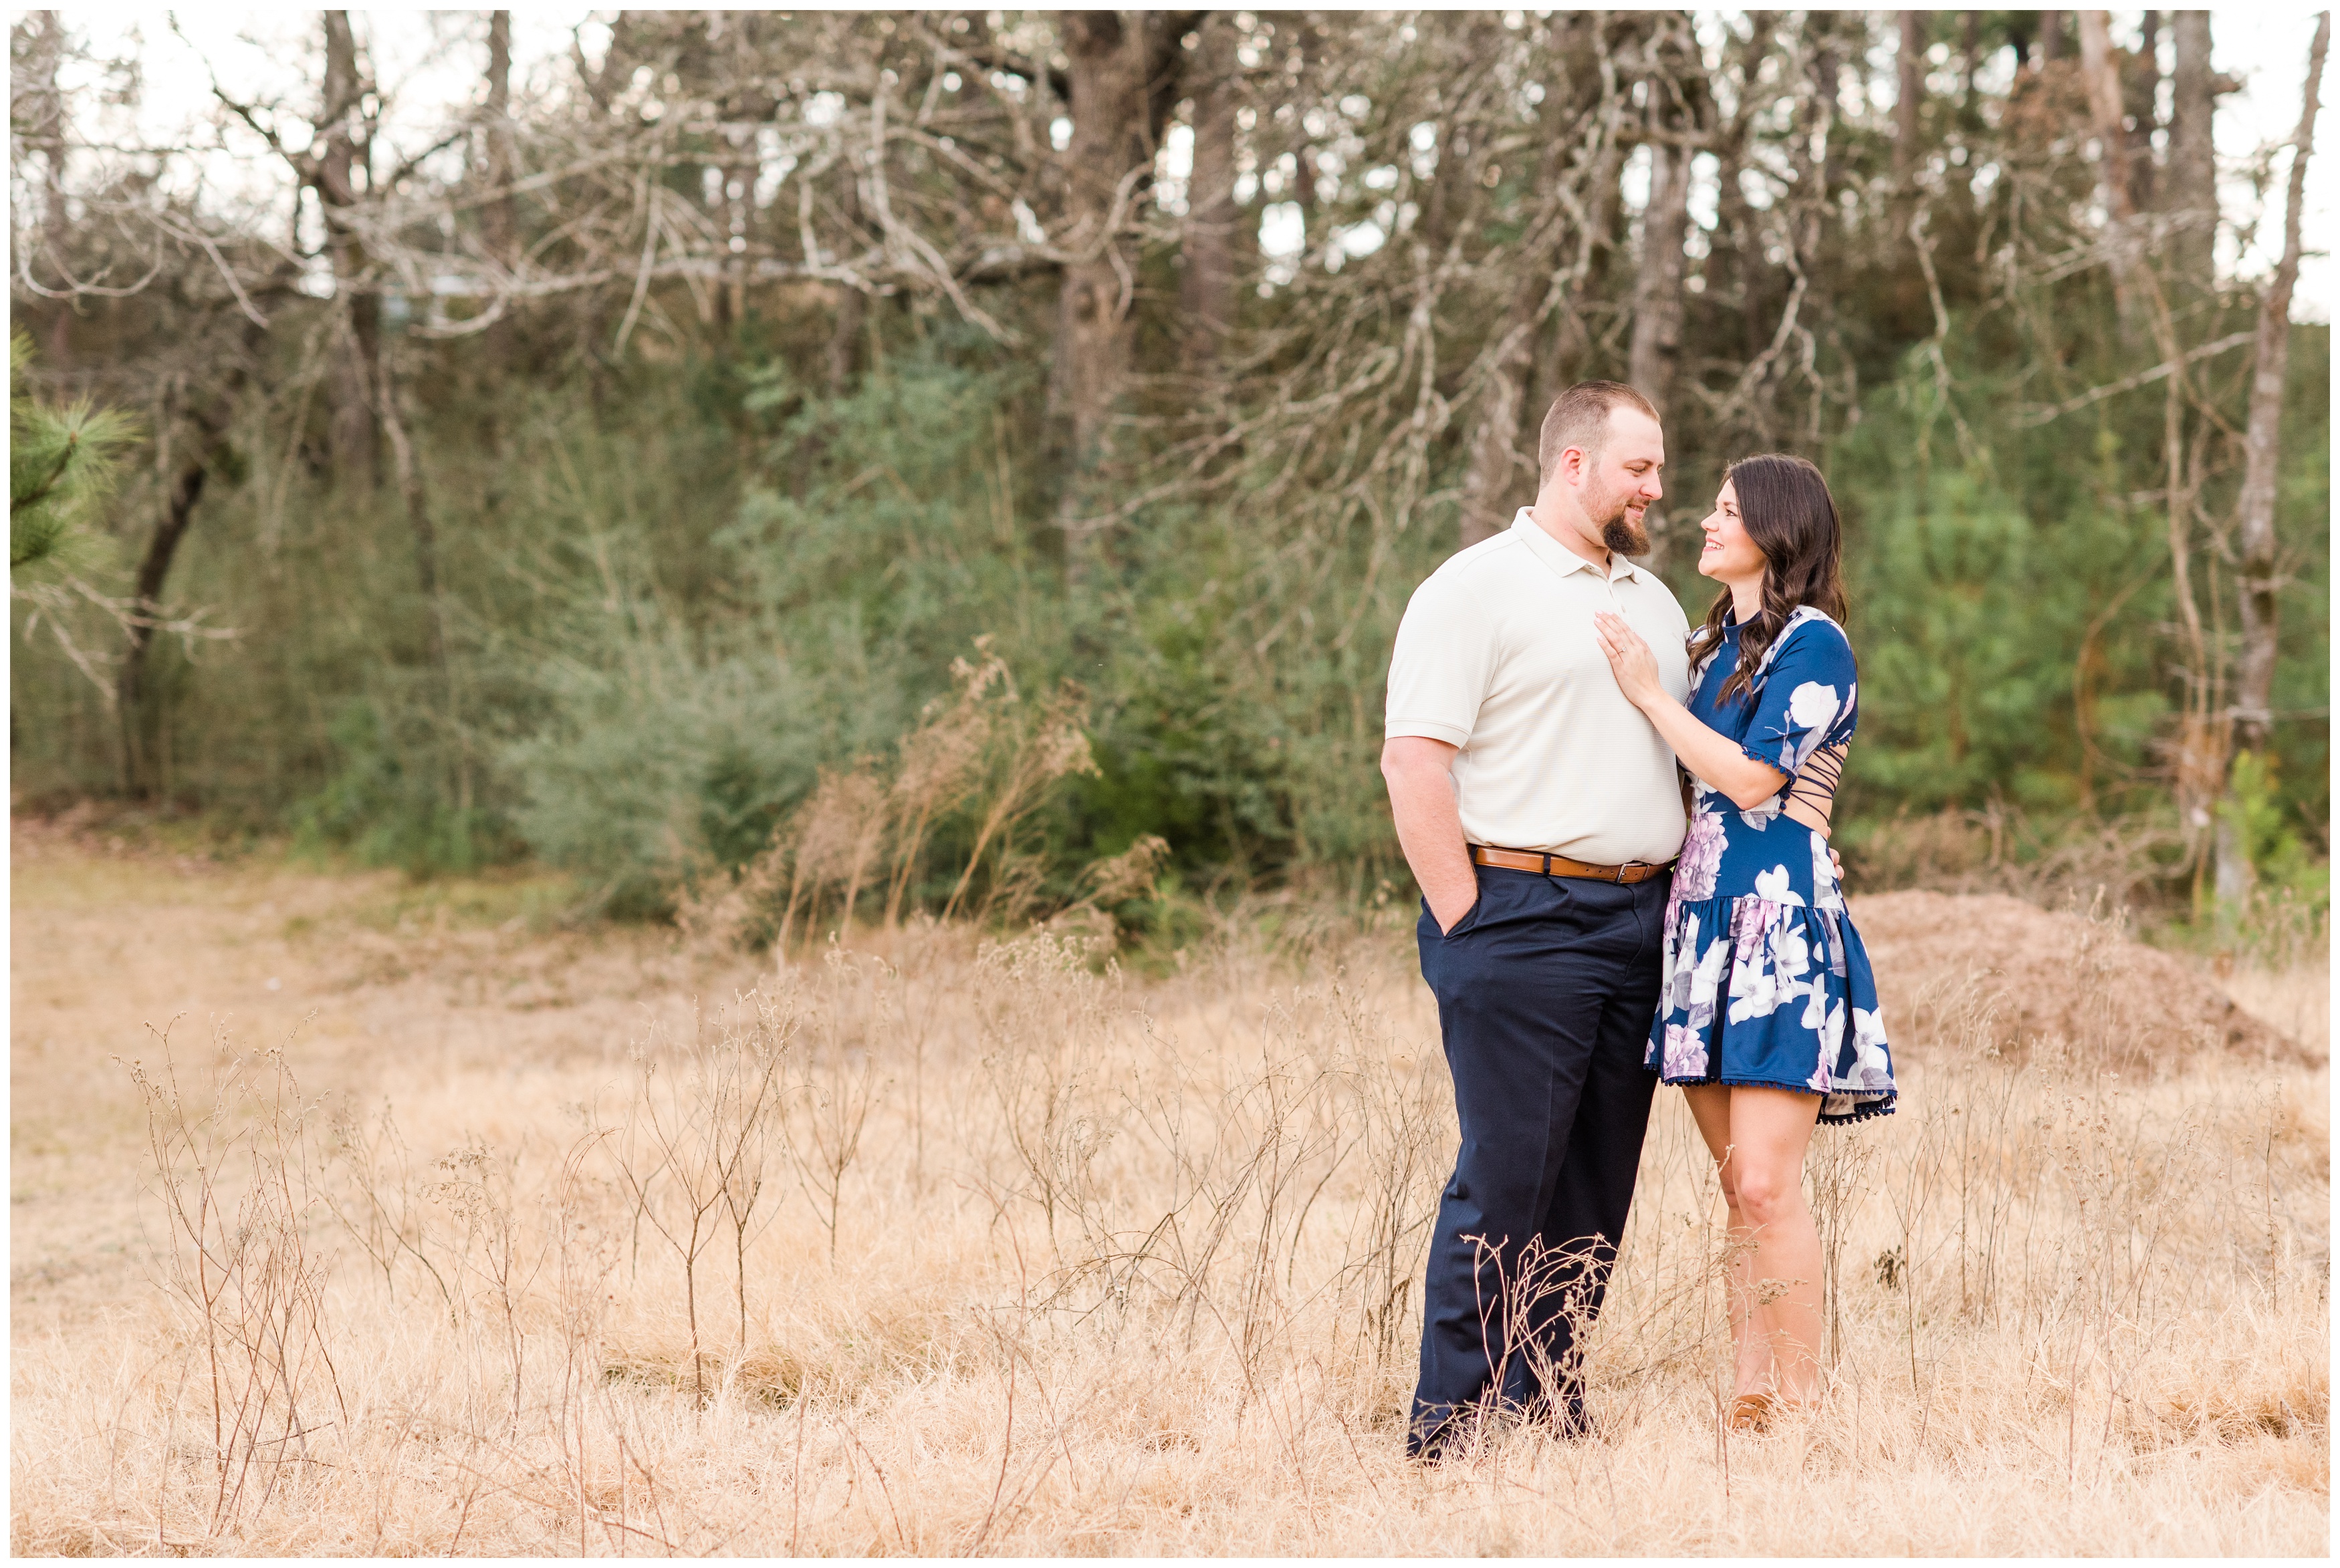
x,y
1040,1259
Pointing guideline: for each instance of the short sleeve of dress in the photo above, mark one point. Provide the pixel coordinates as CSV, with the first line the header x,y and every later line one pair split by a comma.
x,y
1807,699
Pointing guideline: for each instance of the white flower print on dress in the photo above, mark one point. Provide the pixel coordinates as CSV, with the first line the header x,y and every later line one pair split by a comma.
x,y
1791,955
1706,981
1773,887
1755,992
1677,959
1812,708
1826,893
1772,958
1872,1069
1832,924
1814,1019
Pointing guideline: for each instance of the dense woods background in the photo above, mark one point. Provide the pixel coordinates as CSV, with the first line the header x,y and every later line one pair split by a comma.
x,y
779,464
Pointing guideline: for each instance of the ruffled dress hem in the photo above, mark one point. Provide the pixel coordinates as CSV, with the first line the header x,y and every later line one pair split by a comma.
x,y
1803,958
1865,1106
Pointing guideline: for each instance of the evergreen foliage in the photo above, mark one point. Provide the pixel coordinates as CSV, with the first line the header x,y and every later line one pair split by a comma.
x,y
681,580
61,462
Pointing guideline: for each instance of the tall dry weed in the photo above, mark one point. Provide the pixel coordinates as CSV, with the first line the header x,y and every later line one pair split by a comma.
x,y
984,752
234,1196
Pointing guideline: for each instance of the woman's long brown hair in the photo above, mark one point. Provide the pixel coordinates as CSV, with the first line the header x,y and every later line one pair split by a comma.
x,y
1786,509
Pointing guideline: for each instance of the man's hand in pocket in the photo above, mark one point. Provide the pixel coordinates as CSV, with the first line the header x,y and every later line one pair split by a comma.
x,y
1448,919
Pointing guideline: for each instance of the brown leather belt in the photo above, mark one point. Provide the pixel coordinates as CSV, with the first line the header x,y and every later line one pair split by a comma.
x,y
1561,865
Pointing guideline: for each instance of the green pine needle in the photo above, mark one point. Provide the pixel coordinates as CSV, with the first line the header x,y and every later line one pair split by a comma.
x,y
60,462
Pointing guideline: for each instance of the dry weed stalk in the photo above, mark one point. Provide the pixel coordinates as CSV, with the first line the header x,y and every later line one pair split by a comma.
x,y
477,1188
1047,745
1126,876
827,1110
234,1184
942,760
832,840
691,1151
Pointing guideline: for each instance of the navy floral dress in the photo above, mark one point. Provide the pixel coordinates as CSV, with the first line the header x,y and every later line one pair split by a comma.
x,y
1766,981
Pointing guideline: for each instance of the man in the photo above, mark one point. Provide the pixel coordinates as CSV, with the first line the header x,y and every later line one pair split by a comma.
x,y
1541,812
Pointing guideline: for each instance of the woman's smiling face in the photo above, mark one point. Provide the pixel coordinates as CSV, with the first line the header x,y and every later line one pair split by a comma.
x,y
1729,555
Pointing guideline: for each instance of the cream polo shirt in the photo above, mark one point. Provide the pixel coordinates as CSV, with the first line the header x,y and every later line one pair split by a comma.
x,y
1497,655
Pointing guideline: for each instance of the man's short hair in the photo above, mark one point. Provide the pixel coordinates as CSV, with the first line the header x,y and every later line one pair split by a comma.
x,y
1579,418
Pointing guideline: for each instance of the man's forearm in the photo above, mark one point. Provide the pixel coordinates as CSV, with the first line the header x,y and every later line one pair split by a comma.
x,y
1430,831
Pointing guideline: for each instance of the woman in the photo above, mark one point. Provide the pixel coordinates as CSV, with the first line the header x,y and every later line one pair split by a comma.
x,y
1769,1018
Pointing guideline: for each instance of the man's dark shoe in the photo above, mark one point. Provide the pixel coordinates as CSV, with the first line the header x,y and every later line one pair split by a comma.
x,y
1564,1418
1431,1448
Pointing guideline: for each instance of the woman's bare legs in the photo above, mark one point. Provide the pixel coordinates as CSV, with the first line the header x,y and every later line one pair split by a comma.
x,y
1769,1130
1758,1138
1710,1106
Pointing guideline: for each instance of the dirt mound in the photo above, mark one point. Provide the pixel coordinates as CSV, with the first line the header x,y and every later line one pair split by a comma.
x,y
1975,971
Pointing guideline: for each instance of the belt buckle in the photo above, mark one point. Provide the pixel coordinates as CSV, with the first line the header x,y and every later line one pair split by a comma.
x,y
1628,866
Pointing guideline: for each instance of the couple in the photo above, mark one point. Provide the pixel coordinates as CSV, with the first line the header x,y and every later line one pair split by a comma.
x,y
1546,698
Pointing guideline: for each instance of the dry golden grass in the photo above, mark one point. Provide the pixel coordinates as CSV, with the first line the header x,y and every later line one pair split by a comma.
x,y
1045,1260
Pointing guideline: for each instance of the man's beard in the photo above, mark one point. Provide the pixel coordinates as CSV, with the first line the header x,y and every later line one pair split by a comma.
x,y
1619,529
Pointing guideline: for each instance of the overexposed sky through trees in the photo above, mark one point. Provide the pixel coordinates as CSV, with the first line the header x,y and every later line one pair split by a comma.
x,y
427,61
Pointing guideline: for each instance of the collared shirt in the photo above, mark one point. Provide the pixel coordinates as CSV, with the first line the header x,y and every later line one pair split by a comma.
x,y
1497,655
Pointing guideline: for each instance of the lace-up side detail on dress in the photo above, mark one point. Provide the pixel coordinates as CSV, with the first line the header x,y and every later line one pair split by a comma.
x,y
1814,785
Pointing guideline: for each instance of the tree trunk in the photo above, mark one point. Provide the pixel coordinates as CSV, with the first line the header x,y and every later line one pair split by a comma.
x,y
1657,299
500,348
2259,580
1911,59
342,160
1206,289
2101,77
1307,168
1734,264
844,357
1657,288
2100,74
418,512
138,782
2190,185
1828,79
747,105
2051,35
211,425
1109,70
2141,95
499,220
1491,482
498,224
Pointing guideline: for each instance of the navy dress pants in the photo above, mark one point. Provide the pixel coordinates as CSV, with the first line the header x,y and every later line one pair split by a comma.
x,y
1545,993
